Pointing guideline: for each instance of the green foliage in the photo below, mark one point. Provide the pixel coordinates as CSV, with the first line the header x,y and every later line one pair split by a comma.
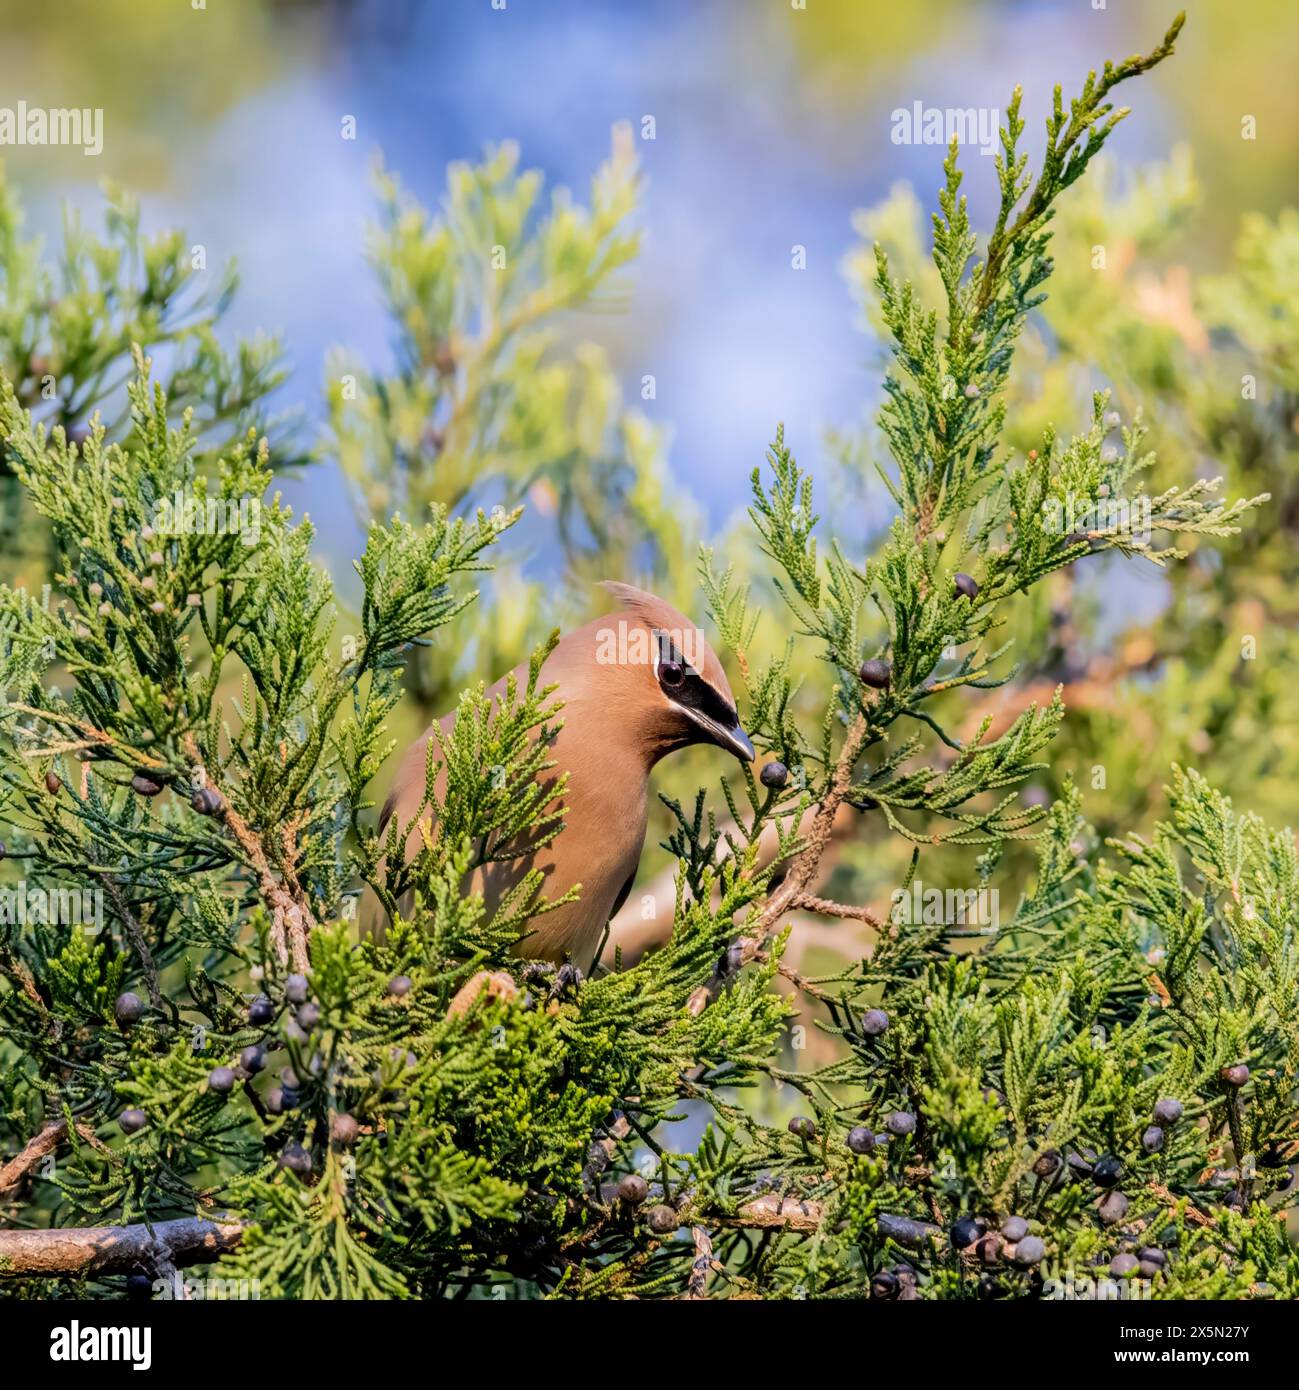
x,y
67,332
192,729
491,399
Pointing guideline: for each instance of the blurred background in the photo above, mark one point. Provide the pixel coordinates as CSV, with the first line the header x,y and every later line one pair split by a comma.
x,y
730,162
772,127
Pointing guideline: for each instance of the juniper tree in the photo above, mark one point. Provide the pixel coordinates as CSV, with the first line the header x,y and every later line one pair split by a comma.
x,y
1101,1088
492,399
67,330
1208,360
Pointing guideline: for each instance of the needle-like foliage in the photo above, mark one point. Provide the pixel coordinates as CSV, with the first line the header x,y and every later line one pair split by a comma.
x,y
1096,1085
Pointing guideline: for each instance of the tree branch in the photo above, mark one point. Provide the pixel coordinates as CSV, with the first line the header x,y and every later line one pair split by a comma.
x,y
37,1147
802,868
116,1249
289,911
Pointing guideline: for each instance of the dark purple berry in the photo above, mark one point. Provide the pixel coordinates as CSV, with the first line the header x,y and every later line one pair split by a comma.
x,y
1112,1208
861,1140
221,1080
296,989
207,801
308,1016
1152,1254
1047,1164
399,985
875,673
966,1230
261,1011
139,1287
1123,1265
661,1220
132,1120
1029,1251
1014,1229
988,1249
343,1130
252,1059
296,1159
128,1009
874,1022
884,1285
145,786
1107,1171
966,587
1168,1111
1236,1076
900,1122
774,775
1153,1139
802,1127
633,1189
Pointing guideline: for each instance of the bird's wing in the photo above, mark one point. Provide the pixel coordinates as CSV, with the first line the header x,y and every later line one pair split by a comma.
x,y
623,894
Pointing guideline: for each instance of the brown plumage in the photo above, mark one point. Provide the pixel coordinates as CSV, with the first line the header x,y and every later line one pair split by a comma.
x,y
636,684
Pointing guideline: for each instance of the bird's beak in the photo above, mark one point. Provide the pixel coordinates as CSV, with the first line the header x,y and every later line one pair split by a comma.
x,y
728,736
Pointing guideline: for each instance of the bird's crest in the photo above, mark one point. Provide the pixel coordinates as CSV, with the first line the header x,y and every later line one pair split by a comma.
x,y
659,616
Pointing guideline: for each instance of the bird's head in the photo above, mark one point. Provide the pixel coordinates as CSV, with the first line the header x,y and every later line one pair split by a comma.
x,y
670,683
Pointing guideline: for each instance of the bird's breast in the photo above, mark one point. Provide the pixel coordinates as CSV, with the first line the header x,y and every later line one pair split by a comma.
x,y
605,812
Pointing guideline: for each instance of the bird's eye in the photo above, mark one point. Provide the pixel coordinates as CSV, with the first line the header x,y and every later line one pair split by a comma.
x,y
671,673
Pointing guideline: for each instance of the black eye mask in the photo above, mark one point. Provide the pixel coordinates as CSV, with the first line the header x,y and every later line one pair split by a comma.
x,y
681,683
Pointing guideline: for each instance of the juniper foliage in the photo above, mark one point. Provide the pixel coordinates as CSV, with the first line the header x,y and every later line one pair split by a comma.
x,y
1111,1071
494,398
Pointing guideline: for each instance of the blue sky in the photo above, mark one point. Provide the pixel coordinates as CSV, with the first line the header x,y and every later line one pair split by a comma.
x,y
751,157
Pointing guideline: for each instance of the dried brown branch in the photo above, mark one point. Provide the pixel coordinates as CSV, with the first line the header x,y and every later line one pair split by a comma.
x,y
600,1155
825,907
18,969
44,1142
116,1249
292,921
497,983
803,867
702,1265
774,1212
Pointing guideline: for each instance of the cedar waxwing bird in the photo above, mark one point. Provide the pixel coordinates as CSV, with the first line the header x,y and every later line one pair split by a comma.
x,y
636,685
